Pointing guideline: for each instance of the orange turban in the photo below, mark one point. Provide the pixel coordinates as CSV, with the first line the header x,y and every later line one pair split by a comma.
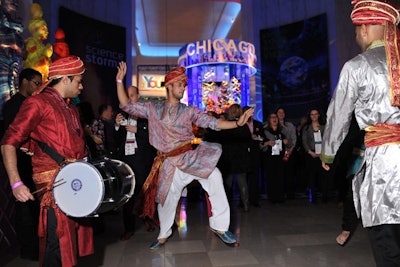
x,y
175,75
66,66
383,13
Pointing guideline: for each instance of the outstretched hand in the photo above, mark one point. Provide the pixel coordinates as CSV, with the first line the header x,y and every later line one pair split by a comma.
x,y
245,117
325,166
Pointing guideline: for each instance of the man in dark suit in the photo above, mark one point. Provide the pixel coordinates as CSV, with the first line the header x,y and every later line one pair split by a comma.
x,y
257,134
139,155
26,213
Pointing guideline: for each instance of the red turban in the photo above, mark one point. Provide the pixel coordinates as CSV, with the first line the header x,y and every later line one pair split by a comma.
x,y
374,12
383,13
66,66
175,75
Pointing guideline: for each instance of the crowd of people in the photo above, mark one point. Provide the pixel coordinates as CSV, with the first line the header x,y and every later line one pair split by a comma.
x,y
168,145
250,158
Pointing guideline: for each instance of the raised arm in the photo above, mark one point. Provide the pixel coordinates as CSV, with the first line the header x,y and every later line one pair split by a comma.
x,y
122,97
223,124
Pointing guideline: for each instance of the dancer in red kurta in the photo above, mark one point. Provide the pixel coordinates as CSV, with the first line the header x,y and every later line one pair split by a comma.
x,y
48,118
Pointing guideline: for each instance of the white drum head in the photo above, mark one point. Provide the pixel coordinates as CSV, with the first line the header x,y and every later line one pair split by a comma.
x,y
82,192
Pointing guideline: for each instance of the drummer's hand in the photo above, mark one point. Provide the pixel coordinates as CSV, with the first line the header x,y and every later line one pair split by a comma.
x,y
22,193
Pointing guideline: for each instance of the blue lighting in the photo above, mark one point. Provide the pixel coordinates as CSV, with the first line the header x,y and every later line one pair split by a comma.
x,y
230,12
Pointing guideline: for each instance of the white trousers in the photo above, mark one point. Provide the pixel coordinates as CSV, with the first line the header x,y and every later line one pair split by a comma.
x,y
220,218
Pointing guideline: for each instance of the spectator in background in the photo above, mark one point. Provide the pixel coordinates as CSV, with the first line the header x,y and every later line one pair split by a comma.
x,y
87,118
104,128
26,213
300,162
235,158
289,130
139,155
274,147
253,175
312,139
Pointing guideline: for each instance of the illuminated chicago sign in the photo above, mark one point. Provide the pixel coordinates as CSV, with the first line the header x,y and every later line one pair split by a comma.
x,y
218,51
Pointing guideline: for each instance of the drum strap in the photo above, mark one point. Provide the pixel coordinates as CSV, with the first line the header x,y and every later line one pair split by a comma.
x,y
51,152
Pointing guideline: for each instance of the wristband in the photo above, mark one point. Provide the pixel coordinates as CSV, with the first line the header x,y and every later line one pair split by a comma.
x,y
237,125
118,81
16,185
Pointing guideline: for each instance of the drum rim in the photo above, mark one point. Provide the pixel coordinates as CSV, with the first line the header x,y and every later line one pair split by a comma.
x,y
133,185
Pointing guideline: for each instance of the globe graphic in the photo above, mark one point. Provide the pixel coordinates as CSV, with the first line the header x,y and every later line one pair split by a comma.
x,y
293,72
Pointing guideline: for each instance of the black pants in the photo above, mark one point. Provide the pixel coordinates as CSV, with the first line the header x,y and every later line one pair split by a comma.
x,y
385,243
26,224
350,220
52,257
317,178
253,178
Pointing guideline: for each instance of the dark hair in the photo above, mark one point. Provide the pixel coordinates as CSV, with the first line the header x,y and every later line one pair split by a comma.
x,y
86,112
276,111
28,74
321,119
268,126
102,108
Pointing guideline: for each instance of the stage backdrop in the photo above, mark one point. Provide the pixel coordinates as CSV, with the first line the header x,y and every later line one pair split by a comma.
x,y
295,67
101,46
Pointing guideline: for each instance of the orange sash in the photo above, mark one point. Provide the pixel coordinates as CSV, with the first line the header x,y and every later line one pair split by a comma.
x,y
145,204
382,134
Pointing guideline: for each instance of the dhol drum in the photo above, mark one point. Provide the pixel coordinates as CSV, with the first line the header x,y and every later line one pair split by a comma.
x,y
90,188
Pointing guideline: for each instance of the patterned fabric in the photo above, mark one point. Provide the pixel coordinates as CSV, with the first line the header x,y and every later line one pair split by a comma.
x,y
47,118
149,190
382,134
98,130
168,132
67,66
373,12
